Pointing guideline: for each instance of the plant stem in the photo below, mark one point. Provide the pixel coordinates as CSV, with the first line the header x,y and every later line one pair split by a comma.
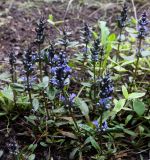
x,y
29,91
46,106
137,61
101,121
94,70
119,43
40,62
100,65
85,53
70,111
14,79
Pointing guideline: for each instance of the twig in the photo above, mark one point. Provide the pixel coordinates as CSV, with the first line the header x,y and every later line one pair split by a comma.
x,y
135,13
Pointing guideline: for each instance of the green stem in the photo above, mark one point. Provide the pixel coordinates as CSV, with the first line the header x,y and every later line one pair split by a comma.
x,y
101,121
119,43
94,70
14,79
138,58
85,53
100,65
40,63
46,106
29,91
70,111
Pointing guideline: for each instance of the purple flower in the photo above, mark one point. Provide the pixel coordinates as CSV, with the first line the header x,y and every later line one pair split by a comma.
x,y
95,50
106,90
142,29
95,122
60,71
72,98
97,125
104,126
69,100
121,20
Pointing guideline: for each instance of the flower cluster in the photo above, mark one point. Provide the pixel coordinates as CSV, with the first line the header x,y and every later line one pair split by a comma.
x,y
121,20
40,31
86,33
64,41
13,147
86,37
101,54
48,55
103,127
142,29
70,100
28,61
95,50
106,90
60,71
12,61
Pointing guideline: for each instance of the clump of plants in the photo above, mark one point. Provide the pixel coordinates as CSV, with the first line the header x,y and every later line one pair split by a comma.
x,y
80,100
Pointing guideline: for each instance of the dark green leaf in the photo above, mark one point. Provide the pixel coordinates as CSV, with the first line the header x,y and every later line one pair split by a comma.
x,y
139,107
82,105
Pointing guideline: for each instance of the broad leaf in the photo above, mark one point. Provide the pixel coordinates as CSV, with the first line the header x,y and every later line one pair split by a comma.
x,y
8,93
94,144
139,107
31,157
135,95
119,105
35,104
104,32
73,153
82,105
125,92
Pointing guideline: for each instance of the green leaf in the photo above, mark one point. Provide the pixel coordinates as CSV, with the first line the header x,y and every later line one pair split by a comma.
x,y
129,117
119,105
145,53
94,144
112,37
1,153
82,105
51,19
131,30
5,77
131,133
18,87
73,153
43,144
8,93
2,114
120,69
135,95
32,147
31,157
68,134
35,104
125,92
139,107
104,32
44,82
51,93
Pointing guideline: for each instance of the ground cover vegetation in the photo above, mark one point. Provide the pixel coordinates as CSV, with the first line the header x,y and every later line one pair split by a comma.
x,y
90,104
